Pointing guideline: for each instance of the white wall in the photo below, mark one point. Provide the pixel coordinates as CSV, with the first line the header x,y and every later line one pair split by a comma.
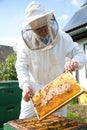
x,y
82,72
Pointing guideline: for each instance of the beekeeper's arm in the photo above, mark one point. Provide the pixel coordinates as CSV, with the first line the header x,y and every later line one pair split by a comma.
x,y
77,57
23,72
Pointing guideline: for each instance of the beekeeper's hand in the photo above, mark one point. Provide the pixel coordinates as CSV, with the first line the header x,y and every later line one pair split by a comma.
x,y
27,93
71,66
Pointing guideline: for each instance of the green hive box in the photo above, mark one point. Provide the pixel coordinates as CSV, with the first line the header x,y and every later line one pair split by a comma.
x,y
10,98
9,112
10,93
1,127
7,127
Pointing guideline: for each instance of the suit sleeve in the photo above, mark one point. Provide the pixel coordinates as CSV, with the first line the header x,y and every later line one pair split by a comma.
x,y
74,52
22,66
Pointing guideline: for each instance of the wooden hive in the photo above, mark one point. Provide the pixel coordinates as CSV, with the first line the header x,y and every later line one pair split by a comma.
x,y
49,123
55,94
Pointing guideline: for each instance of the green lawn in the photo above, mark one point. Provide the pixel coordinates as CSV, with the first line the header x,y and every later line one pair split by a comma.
x,y
77,112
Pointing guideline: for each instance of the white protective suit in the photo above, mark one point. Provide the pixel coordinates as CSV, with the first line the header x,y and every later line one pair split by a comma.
x,y
37,68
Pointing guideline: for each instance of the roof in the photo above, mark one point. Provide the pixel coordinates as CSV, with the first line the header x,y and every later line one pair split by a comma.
x,y
79,19
85,3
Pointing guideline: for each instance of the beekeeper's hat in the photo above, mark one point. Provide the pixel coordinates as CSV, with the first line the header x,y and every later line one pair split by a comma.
x,y
36,14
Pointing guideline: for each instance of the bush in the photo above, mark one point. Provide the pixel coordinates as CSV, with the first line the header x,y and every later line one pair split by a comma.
x,y
74,101
7,68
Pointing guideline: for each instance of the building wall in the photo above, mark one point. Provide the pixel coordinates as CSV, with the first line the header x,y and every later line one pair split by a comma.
x,y
82,73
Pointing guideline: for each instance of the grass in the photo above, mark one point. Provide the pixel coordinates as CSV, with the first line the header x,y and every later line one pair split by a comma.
x,y
77,112
76,117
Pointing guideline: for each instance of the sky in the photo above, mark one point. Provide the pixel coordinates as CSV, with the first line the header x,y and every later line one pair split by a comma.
x,y
12,15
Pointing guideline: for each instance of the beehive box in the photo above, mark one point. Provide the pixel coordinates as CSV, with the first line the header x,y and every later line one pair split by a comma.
x,y
1,127
9,112
10,93
49,123
83,98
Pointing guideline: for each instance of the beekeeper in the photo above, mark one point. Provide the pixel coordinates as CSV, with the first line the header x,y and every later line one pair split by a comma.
x,y
41,55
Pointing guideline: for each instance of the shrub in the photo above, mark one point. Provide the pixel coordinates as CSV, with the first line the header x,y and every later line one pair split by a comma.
x,y
7,68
